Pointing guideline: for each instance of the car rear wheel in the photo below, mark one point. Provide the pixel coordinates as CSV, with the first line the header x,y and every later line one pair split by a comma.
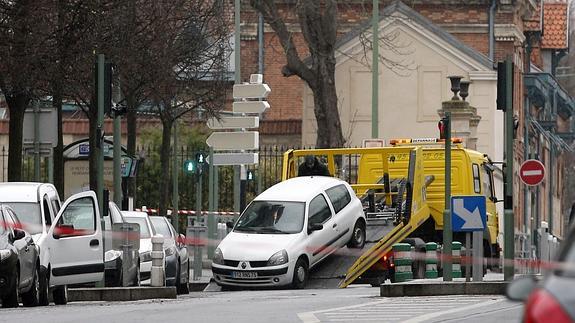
x,y
60,295
11,299
300,274
358,235
30,298
43,299
183,288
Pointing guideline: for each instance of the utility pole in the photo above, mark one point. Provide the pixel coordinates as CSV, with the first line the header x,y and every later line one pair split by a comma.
x,y
508,220
375,71
117,152
99,149
176,187
237,74
447,229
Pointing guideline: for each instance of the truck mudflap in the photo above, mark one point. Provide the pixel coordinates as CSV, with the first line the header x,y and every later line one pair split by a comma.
x,y
383,247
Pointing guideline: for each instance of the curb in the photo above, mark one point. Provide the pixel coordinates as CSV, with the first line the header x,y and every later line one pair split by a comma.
x,y
120,294
443,288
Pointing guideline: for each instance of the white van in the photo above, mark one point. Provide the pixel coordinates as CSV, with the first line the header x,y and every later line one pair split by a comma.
x,y
69,237
288,229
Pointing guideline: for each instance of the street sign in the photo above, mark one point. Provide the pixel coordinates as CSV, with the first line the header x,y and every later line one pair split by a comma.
x,y
48,131
239,140
468,213
532,172
234,159
250,106
251,91
234,123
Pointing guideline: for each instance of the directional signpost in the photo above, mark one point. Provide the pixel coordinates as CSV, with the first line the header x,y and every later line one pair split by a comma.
x,y
532,172
469,215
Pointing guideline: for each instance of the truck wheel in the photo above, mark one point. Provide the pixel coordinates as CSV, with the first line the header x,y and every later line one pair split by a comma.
x,y
43,299
300,274
11,299
60,295
358,235
30,298
419,269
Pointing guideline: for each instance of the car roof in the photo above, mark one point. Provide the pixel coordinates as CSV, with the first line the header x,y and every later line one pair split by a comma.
x,y
135,214
19,191
299,189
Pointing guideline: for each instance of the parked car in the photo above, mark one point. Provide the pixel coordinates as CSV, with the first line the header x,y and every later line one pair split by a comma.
x,y
19,262
69,238
176,255
288,229
553,298
113,257
146,233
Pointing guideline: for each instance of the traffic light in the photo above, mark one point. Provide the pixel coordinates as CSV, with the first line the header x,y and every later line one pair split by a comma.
x,y
442,125
190,166
108,75
250,175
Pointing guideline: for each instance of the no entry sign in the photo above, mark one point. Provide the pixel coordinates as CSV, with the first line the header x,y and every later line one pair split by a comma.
x,y
532,172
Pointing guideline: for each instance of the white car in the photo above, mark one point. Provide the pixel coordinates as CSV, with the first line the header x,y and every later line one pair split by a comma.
x,y
147,231
287,230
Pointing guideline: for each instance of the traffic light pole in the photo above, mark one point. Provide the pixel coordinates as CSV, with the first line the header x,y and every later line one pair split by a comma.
x,y
447,230
99,149
176,188
508,219
211,207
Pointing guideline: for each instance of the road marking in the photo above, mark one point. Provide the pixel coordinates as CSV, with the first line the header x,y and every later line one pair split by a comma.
x,y
451,311
309,317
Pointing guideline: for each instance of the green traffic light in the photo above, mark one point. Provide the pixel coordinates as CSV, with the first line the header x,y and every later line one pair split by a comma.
x,y
189,166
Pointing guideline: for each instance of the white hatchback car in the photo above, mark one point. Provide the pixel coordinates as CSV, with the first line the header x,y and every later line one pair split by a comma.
x,y
288,229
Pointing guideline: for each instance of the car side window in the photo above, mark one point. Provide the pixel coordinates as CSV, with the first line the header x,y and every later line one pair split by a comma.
x,y
47,212
78,218
339,197
319,211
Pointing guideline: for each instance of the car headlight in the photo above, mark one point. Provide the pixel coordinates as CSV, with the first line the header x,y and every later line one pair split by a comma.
x,y
5,254
279,258
146,256
218,257
111,255
170,251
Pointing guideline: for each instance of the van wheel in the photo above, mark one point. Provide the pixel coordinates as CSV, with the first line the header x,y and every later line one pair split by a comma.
x,y
358,235
300,274
43,299
60,295
30,298
11,299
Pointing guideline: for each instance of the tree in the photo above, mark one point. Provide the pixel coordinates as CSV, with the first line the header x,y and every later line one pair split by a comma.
x,y
318,22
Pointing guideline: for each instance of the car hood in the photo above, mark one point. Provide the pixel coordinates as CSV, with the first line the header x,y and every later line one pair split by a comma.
x,y
145,245
255,247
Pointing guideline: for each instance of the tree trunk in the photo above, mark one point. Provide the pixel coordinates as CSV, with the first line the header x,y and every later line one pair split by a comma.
x,y
326,111
17,105
165,165
59,149
131,119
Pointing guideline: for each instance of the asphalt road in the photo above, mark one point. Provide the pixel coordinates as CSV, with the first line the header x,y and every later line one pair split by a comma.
x,y
355,304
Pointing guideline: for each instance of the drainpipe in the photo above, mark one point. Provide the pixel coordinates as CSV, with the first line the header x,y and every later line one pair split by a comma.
x,y
260,44
491,23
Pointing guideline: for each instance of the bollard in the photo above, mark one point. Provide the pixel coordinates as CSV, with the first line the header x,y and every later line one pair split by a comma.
x,y
456,252
402,260
157,275
431,260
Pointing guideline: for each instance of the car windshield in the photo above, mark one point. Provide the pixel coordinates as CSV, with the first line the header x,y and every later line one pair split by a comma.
x,y
29,215
161,227
272,217
144,231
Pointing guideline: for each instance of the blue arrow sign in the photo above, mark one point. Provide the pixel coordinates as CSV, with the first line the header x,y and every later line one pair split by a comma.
x,y
468,213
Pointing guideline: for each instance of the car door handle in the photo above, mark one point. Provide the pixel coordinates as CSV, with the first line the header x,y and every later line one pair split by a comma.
x,y
334,225
26,249
94,243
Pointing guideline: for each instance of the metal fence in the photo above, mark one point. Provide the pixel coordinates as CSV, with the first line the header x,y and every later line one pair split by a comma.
x,y
27,167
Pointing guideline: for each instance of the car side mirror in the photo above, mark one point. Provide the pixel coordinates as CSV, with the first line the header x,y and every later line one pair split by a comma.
x,y
18,234
181,240
519,289
314,227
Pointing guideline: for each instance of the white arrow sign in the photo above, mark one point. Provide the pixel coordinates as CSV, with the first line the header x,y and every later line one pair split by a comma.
x,y
251,91
472,219
234,123
224,159
250,106
238,140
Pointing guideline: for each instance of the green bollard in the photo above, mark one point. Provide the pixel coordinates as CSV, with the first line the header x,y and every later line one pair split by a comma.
x,y
456,252
431,260
402,260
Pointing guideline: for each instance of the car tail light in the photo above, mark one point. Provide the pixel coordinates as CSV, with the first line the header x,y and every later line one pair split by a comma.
x,y
542,307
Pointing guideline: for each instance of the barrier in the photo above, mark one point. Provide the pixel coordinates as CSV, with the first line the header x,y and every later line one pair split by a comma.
x,y
431,260
456,252
402,260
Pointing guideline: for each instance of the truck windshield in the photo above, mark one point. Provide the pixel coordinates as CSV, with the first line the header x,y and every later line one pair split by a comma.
x,y
272,217
29,215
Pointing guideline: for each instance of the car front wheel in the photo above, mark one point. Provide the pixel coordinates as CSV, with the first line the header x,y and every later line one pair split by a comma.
x,y
358,235
11,299
300,274
60,295
43,288
30,298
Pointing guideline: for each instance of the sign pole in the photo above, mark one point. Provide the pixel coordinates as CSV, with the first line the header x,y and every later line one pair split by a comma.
x,y
36,141
467,256
211,216
176,187
447,233
508,217
477,256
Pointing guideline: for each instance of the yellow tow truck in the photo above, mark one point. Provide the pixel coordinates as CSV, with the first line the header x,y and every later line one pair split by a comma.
x,y
403,191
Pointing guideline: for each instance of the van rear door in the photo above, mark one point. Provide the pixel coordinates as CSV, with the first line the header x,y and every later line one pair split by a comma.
x,y
75,242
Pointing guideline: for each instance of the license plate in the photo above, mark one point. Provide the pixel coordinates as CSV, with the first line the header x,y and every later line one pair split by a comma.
x,y
247,274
